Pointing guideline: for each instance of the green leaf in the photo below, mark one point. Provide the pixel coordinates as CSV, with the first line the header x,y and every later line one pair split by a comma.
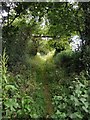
x,y
82,100
11,103
86,104
76,115
85,109
7,87
75,99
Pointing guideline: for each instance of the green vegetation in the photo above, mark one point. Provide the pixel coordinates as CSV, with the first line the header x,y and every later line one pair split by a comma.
x,y
73,102
42,76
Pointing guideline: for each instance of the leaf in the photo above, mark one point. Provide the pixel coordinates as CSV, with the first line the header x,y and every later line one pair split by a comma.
x,y
76,115
82,100
86,104
11,103
78,91
7,87
85,109
58,112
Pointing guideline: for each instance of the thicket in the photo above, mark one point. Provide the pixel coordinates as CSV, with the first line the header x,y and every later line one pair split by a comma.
x,y
71,97
30,61
22,97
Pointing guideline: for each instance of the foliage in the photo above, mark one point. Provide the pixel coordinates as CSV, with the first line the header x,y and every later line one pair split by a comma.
x,y
70,61
73,103
64,60
32,47
37,41
59,45
20,97
44,48
86,59
26,20
63,57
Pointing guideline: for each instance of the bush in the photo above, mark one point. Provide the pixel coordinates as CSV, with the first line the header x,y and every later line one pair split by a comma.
x,y
21,96
70,61
73,103
86,58
64,60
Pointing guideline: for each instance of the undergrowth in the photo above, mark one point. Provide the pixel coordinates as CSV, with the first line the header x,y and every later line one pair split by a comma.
x,y
22,95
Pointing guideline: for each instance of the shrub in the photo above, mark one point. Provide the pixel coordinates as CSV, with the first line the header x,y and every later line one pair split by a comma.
x,y
21,97
73,102
64,60
63,57
70,61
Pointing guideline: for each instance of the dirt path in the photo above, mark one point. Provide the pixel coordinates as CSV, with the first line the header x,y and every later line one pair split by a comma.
x,y
47,96
48,101
46,89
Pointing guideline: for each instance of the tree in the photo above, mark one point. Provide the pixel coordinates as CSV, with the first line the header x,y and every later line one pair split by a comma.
x,y
61,19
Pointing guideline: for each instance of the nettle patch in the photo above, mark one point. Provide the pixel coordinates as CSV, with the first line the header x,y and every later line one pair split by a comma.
x,y
73,103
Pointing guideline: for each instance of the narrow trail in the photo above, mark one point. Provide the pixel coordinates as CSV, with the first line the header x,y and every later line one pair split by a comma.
x,y
42,61
47,95
49,107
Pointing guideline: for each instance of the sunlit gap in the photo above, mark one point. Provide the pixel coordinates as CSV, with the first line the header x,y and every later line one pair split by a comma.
x,y
46,57
76,42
